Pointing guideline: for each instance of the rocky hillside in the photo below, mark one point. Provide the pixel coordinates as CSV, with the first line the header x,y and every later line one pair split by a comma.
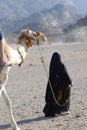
x,y
40,14
57,19
12,11
51,21
77,31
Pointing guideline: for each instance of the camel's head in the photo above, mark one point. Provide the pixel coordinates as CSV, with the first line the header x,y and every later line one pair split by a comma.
x,y
29,37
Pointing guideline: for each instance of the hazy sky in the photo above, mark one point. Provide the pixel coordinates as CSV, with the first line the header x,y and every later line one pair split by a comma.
x,y
82,4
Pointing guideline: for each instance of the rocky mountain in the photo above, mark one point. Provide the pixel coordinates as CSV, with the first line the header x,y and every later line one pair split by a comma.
x,y
19,9
11,11
77,31
43,14
79,23
52,20
57,19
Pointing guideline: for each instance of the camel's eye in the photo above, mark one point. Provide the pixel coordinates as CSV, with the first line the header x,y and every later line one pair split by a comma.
x,y
34,34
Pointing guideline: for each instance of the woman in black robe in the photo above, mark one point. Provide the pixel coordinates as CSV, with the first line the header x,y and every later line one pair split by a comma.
x,y
57,96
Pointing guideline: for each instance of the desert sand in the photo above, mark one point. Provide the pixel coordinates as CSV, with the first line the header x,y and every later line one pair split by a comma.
x,y
27,85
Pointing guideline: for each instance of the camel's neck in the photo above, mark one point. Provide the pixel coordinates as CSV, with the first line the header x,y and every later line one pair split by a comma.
x,y
13,55
7,50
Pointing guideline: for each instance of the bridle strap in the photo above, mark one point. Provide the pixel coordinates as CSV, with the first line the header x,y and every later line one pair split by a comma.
x,y
30,44
22,59
27,37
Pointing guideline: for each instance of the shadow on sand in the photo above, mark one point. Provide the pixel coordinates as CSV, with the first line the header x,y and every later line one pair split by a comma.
x,y
41,118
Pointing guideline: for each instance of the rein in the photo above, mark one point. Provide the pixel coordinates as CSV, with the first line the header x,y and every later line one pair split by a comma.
x,y
42,60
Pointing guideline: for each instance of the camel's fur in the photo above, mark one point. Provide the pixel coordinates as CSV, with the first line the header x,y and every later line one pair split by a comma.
x,y
16,59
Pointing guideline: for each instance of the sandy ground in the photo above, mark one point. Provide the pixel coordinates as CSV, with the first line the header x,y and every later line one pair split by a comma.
x,y
26,88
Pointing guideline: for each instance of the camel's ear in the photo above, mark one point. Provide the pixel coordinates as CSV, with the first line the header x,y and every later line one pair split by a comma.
x,y
41,36
28,31
38,34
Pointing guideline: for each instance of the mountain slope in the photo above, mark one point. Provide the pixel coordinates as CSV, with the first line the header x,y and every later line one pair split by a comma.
x,y
52,20
11,11
77,31
16,13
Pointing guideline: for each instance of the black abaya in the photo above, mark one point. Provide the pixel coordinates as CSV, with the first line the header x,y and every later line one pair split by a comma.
x,y
60,81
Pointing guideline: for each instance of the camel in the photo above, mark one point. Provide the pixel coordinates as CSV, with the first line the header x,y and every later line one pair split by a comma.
x,y
16,57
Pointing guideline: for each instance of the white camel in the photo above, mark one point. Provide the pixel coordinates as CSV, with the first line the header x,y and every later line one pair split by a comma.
x,y
16,57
